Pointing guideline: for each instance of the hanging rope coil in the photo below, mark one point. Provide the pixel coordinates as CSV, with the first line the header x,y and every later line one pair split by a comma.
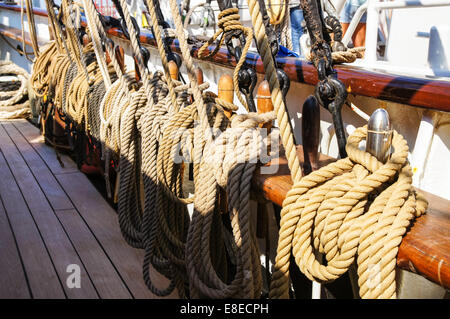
x,y
277,10
40,73
356,209
231,162
13,95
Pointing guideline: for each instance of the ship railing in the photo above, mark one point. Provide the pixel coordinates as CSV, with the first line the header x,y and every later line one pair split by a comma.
x,y
373,8
425,248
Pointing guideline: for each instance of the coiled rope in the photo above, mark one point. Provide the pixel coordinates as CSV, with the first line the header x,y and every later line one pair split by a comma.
x,y
327,204
14,95
331,211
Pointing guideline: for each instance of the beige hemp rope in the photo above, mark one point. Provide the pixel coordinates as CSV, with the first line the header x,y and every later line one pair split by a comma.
x,y
348,56
338,229
9,106
229,22
205,254
326,212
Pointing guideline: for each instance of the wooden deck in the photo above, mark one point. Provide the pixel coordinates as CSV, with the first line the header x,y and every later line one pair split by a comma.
x,y
51,217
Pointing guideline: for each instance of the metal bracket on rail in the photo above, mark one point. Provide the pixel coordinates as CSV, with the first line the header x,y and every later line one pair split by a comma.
x,y
330,92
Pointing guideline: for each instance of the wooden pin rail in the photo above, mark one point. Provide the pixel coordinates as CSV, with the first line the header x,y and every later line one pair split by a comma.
x,y
424,250
420,92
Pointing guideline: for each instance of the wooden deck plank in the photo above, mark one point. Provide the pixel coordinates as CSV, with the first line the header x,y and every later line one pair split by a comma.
x,y
103,222
104,276
13,283
33,136
52,190
42,277
58,244
96,219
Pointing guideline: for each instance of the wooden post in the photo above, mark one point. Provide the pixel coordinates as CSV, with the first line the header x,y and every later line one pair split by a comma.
x,y
199,75
120,57
264,105
264,102
226,91
310,134
111,45
137,73
173,70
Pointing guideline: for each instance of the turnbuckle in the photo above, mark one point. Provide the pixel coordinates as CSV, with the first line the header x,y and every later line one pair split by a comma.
x,y
285,82
331,94
246,76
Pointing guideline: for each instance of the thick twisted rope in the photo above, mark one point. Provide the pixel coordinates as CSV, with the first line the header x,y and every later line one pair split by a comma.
x,y
7,67
162,54
40,74
95,38
229,21
349,56
12,104
326,213
231,160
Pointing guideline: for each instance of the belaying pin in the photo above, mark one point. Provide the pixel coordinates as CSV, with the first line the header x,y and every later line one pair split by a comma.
x,y
379,135
226,91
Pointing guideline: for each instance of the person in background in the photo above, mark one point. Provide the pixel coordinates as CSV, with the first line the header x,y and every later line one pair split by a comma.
x,y
349,10
296,17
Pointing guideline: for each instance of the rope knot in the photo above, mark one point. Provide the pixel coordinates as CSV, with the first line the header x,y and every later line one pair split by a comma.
x,y
228,19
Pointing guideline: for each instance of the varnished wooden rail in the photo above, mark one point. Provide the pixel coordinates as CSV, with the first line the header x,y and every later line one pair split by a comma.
x,y
420,92
14,33
425,249
17,8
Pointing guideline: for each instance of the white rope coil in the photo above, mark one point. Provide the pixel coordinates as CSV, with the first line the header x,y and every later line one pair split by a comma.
x,y
10,107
